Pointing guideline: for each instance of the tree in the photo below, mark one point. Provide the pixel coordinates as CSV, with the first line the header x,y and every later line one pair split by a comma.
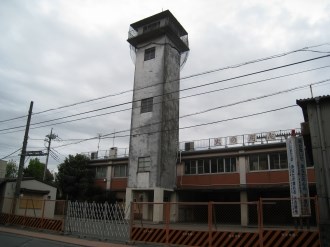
x,y
11,169
75,180
36,169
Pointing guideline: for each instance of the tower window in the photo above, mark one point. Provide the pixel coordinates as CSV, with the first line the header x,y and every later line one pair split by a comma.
x,y
149,53
146,105
144,164
151,26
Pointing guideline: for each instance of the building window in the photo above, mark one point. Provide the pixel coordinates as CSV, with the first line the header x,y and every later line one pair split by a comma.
x,y
151,26
272,161
258,162
190,167
226,164
120,171
146,105
149,53
144,164
101,172
278,161
215,165
230,164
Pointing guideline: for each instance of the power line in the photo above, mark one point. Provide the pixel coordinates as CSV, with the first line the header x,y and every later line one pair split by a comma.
x,y
182,78
194,87
186,127
231,104
221,89
223,106
11,154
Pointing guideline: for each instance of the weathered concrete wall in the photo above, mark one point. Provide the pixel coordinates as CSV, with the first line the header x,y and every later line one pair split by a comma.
x,y
170,118
155,78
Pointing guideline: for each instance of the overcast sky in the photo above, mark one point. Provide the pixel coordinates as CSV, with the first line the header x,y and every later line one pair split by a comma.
x,y
57,53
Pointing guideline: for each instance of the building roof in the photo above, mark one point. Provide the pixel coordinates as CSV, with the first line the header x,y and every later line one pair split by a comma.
x,y
157,17
303,102
5,180
31,191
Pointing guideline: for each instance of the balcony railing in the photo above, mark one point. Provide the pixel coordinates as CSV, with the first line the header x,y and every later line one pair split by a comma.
x,y
238,140
107,154
277,136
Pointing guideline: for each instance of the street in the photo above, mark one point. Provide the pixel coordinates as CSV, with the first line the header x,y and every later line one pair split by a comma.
x,y
13,240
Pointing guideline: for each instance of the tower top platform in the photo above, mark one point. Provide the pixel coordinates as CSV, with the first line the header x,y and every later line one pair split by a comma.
x,y
159,24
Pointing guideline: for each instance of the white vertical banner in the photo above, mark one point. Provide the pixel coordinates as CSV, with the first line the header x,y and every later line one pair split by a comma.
x,y
303,179
299,193
293,177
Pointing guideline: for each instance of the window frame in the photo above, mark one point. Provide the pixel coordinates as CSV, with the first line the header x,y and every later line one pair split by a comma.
x,y
149,53
144,164
120,168
151,26
275,161
210,166
147,105
100,172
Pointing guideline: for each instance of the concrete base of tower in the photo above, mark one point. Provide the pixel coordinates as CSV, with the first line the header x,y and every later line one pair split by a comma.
x,y
150,204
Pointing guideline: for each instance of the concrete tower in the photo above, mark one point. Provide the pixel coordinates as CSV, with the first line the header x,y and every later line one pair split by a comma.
x,y
158,42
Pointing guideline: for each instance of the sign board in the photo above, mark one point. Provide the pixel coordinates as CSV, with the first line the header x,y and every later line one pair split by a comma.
x,y
34,153
299,192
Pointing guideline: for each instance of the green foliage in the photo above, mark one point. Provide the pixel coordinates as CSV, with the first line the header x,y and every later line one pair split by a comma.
x,y
11,169
36,169
75,180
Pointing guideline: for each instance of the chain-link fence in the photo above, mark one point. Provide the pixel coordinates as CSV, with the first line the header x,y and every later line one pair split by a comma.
x,y
97,220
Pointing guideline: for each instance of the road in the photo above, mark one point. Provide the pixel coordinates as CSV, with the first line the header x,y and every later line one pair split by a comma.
x,y
13,240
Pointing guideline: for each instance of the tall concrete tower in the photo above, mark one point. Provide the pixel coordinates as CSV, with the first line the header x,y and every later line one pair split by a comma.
x,y
159,43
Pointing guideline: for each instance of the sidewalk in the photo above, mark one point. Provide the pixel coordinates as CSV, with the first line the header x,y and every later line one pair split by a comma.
x,y
61,238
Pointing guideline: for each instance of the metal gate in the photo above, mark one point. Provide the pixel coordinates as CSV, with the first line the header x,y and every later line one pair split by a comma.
x,y
97,220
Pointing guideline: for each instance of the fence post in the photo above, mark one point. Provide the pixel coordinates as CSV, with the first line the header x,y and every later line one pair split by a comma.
x,y
131,219
209,220
66,213
43,214
167,220
24,221
260,222
13,210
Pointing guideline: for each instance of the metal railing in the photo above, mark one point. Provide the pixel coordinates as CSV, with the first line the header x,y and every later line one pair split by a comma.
x,y
255,223
107,154
238,140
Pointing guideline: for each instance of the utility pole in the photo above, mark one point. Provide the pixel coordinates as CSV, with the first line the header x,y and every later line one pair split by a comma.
x,y
50,137
22,159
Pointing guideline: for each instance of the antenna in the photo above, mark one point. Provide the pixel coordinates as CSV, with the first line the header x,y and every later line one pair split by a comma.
x,y
98,145
114,136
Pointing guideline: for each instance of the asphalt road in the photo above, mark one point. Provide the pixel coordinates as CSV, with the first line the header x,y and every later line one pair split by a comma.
x,y
13,240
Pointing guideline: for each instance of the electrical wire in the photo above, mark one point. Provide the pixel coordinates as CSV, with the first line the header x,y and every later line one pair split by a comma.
x,y
10,154
186,127
182,78
161,95
228,105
